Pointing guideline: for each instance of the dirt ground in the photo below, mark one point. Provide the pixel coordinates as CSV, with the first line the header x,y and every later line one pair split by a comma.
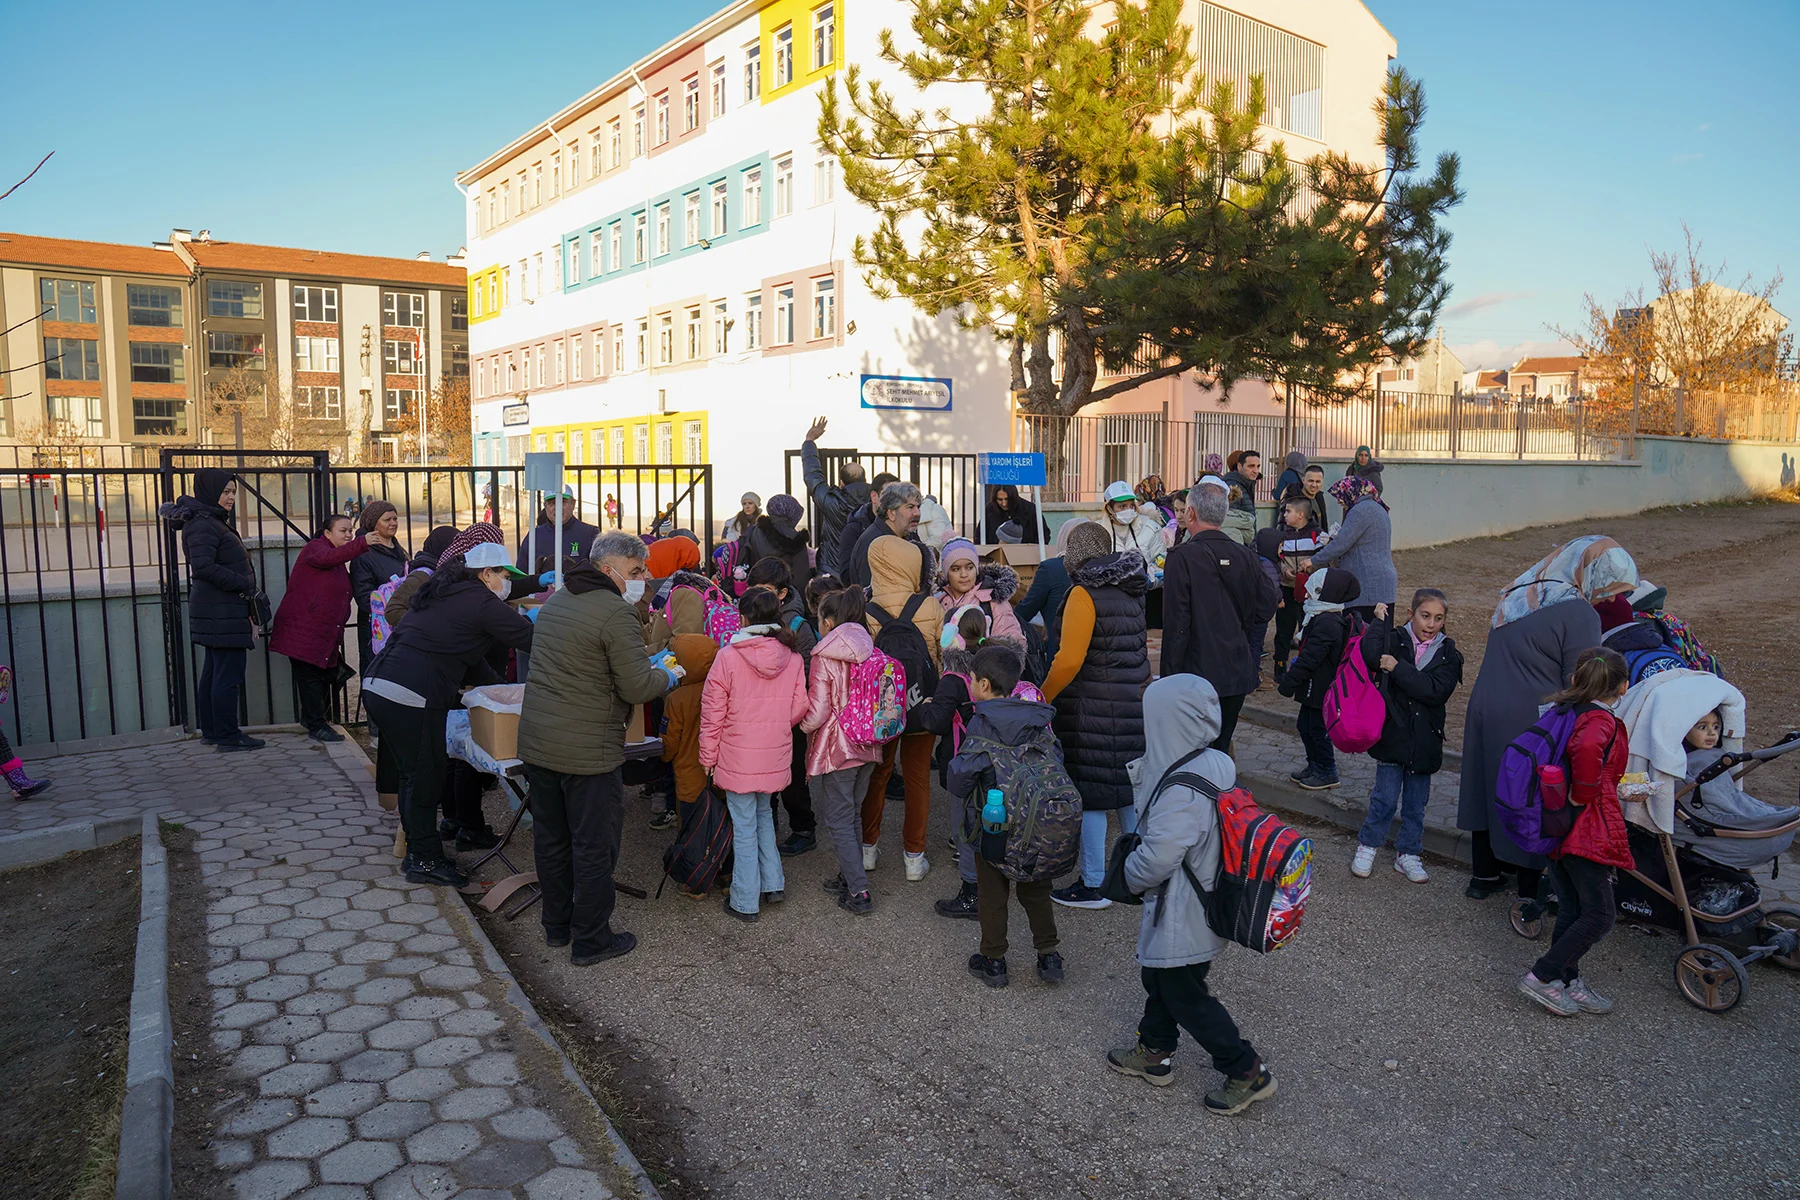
x,y
65,1018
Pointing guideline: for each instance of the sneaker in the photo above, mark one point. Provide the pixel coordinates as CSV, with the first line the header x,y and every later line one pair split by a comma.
x,y
479,838
916,866
621,945
960,906
1363,861
1152,1066
556,939
325,733
991,971
774,897
1235,1095
1481,887
240,742
859,905
437,870
747,918
1410,866
1586,998
1080,895
1551,995
836,884
663,820
1315,780
870,854
798,843
1050,967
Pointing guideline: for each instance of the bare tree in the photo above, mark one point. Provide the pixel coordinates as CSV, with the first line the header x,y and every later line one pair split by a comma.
x,y
447,425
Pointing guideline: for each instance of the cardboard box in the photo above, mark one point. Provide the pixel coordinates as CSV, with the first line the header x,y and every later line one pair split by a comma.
x,y
634,732
497,733
1022,557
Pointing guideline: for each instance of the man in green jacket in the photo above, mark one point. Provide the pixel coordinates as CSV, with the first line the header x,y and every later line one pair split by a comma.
x,y
588,668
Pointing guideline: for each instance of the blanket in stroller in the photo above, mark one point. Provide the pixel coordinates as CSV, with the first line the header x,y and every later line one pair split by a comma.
x,y
1722,802
1657,714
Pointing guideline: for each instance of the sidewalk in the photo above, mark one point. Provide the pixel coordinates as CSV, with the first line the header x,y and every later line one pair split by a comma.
x,y
383,1047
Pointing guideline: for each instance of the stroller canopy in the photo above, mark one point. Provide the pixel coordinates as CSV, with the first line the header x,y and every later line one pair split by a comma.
x,y
1657,714
1723,803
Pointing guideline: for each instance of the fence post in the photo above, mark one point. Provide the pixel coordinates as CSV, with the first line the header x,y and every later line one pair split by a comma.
x,y
1520,437
1681,412
1455,418
1637,384
1580,427
1375,422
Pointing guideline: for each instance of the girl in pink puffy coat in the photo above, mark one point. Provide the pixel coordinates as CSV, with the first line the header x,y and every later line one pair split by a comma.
x,y
837,769
754,696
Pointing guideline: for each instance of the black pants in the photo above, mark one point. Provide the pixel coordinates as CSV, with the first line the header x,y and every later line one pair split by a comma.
x,y
797,796
463,788
1287,624
1319,753
576,823
414,738
216,691
1584,915
1229,708
991,888
1483,864
314,685
1366,612
1176,998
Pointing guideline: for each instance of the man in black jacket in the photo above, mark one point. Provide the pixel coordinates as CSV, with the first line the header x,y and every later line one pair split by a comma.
x,y
1214,592
833,504
859,521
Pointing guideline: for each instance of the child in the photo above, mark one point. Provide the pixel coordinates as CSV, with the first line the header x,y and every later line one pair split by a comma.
x,y
1581,868
1327,627
1282,547
754,696
1423,668
817,588
1706,732
999,717
964,580
24,787
681,708
796,798
837,769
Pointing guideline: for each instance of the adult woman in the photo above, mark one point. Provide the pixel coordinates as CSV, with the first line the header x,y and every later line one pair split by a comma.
x,y
385,559
1006,505
1097,682
964,579
1293,471
220,584
776,535
424,563
1050,582
1363,545
309,625
744,518
1545,620
457,619
1364,466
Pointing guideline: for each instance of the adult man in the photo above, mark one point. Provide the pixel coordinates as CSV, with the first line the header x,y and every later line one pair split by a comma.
x,y
833,504
1312,488
588,668
1214,593
861,519
1243,477
538,546
897,514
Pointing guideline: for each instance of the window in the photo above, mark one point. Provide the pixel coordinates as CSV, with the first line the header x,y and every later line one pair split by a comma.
x,y
643,344
574,160
690,219
693,332
574,275
537,270
824,36
316,354
753,321
752,214
637,131
575,359
493,293
665,441
784,315
718,89
459,361
579,442
150,305
505,284
662,229
157,362
638,252
1236,48
506,201
77,415
665,339
481,383
721,330
71,358
752,71
594,253
396,403
618,351
159,418
556,174
319,404
512,373
539,362
824,308
537,184
316,304
784,186
662,118
493,212
406,309
784,56
232,350
618,244
718,208
67,299
615,138
696,441
690,106
525,277
559,362
398,357
824,177
595,164
618,444
459,311
232,298
640,438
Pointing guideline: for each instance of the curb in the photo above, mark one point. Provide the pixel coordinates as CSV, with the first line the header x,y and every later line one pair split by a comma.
x,y
1336,808
41,845
148,1118
1283,722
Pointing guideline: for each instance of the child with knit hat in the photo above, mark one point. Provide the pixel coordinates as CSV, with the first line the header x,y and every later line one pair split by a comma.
x,y
963,579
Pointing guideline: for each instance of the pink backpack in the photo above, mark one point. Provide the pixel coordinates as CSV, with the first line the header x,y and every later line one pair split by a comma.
x,y
722,620
1023,690
1355,709
874,709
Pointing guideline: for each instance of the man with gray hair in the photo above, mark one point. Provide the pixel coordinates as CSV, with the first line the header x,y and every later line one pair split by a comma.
x,y
589,668
896,514
1215,593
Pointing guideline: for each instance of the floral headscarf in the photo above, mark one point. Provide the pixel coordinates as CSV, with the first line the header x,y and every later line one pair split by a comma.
x,y
1579,570
1214,464
473,536
1352,490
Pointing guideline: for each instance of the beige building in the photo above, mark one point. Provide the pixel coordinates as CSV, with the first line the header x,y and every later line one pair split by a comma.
x,y
1435,371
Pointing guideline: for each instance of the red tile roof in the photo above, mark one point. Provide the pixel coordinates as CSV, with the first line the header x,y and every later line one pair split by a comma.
x,y
27,250
1565,365
324,264
1484,379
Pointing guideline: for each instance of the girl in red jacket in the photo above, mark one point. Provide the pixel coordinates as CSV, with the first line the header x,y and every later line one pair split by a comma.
x,y
1581,869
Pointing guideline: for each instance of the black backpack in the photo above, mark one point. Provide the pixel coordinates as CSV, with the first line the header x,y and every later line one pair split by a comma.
x,y
900,639
701,851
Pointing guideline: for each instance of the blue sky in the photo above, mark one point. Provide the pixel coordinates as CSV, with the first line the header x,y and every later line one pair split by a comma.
x,y
1588,131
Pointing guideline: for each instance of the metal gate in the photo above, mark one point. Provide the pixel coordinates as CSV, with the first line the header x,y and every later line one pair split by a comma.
x,y
950,479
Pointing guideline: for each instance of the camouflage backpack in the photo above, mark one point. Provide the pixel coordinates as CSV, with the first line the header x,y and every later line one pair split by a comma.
x,y
1043,809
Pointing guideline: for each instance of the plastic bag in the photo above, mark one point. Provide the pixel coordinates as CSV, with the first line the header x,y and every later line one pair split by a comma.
x,y
496,697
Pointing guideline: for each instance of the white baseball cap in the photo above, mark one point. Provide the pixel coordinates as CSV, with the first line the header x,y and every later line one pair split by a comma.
x,y
489,554
1213,481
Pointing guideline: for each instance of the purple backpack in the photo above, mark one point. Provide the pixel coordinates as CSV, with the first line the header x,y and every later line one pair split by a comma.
x,y
1517,802
1355,709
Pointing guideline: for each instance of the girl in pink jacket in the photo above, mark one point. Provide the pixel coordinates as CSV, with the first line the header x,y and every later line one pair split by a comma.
x,y
754,696
965,580
837,769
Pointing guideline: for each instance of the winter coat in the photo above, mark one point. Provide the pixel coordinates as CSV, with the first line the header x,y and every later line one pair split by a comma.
x,y
1371,472
1364,546
1181,715
1284,548
1596,755
857,567
309,623
445,645
400,600
590,666
1318,515
833,506
772,537
793,618
1214,593
681,708
1144,535
577,536
1242,495
686,606
1049,586
754,696
220,578
995,586
1024,514
1007,721
855,525
374,568
1413,736
1100,706
834,660
892,568
1322,642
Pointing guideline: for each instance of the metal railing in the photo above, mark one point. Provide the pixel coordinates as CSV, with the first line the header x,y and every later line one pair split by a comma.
x,y
950,479
1084,454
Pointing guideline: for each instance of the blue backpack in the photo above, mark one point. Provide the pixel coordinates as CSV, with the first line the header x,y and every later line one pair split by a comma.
x,y
1518,802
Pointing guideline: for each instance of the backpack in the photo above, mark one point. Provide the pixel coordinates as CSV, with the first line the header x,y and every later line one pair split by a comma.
x,y
722,619
1641,664
1023,690
728,559
1517,802
1679,636
379,629
900,639
1043,809
701,850
875,701
1355,709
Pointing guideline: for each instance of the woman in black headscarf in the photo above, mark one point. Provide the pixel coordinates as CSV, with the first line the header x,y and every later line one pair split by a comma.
x,y
221,583
1007,505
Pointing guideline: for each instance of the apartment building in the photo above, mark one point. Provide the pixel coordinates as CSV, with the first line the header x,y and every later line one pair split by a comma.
x,y
661,272
176,342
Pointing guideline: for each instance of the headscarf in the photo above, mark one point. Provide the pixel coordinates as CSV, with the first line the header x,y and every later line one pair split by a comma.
x,y
671,554
1329,591
894,567
1059,545
786,508
1578,570
1089,540
372,512
1181,714
438,539
473,536
1352,490
209,484
1212,464
1360,451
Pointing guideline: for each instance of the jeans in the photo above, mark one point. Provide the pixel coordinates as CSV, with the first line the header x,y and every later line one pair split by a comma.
x,y
415,738
990,909
314,685
216,692
1396,785
1176,998
913,751
1093,841
757,865
1584,915
838,797
1319,755
576,821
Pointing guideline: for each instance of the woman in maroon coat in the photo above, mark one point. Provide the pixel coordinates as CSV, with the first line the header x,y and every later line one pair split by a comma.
x,y
309,625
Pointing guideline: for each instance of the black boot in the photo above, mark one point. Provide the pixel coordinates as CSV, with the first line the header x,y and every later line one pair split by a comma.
x,y
473,837
960,906
439,871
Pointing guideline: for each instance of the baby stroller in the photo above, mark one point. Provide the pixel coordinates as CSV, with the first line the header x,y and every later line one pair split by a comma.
x,y
1693,834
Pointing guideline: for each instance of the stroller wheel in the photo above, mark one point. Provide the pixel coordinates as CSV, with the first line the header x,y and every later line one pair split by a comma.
x,y
1783,918
1710,977
1527,917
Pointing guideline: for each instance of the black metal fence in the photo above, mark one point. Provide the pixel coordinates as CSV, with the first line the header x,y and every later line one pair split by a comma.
x,y
950,479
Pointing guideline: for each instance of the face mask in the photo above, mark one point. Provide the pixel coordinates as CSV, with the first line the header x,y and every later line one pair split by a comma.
x,y
500,587
1125,516
633,589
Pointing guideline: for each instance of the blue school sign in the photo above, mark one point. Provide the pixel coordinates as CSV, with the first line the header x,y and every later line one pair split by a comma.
x,y
1020,470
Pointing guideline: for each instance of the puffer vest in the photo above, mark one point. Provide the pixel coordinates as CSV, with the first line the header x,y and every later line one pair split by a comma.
x,y
1100,715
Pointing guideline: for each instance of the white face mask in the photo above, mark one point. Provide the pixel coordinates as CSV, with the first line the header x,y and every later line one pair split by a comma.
x,y
633,590
1125,516
500,587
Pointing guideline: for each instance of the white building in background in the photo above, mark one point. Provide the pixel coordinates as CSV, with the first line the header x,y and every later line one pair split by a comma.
x,y
662,272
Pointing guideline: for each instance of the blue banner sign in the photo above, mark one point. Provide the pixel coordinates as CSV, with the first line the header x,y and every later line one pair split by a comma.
x,y
1020,470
